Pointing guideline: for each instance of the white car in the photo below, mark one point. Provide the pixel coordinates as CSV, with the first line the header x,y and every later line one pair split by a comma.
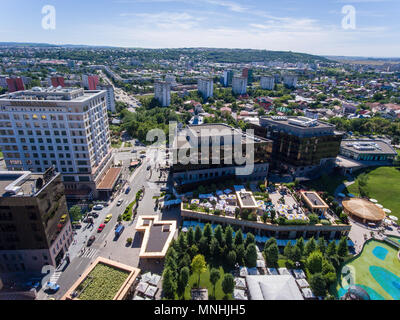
x,y
120,201
98,207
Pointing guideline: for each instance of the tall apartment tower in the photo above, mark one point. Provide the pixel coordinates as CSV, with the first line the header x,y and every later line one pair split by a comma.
x,y
267,83
228,77
34,221
290,81
110,97
162,92
248,73
206,87
90,82
239,85
57,82
66,128
15,84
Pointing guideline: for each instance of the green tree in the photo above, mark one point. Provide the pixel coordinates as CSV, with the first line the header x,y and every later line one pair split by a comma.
x,y
190,237
314,262
272,255
215,249
198,234
321,245
238,238
215,275
208,233
203,246
229,237
300,245
185,261
310,246
75,213
318,284
288,251
169,284
231,258
228,284
251,256
219,235
331,249
199,266
269,242
183,281
240,254
182,241
313,218
296,254
343,249
250,239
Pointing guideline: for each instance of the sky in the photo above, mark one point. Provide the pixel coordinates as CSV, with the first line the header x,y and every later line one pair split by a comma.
x,y
309,26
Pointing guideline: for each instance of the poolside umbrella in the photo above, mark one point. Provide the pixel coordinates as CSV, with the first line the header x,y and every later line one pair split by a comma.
x,y
379,205
185,230
393,218
351,195
341,195
373,200
387,210
228,191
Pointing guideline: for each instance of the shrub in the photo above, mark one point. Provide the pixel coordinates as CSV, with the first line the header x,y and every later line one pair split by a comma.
x,y
129,241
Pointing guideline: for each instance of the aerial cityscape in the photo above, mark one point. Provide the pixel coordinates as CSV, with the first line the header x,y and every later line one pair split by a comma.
x,y
169,155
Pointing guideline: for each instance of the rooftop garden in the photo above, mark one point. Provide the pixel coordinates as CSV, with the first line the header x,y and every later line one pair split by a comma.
x,y
275,204
102,283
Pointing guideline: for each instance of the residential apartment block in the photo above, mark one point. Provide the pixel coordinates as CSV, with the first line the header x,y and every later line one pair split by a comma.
x,y
267,83
162,92
35,229
206,87
239,85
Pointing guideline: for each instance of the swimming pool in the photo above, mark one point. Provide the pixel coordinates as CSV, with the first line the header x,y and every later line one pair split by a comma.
x,y
376,270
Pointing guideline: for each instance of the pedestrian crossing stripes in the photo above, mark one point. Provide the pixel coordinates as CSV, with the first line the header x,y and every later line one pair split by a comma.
x,y
56,275
90,253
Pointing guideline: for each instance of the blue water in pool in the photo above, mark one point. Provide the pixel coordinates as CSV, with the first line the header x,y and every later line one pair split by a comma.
x,y
372,293
380,252
387,280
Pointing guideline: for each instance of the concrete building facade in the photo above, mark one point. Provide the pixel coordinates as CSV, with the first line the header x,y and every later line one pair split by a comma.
x,y
162,92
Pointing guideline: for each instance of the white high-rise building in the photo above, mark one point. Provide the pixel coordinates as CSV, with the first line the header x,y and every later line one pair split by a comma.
x,y
205,87
228,77
171,79
290,81
110,96
63,128
162,92
267,83
239,85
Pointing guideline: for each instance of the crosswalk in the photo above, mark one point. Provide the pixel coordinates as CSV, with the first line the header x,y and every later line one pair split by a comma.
x,y
90,253
56,275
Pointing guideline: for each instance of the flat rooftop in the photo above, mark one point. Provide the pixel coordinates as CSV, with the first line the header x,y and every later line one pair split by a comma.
x,y
368,146
157,236
22,183
110,179
207,131
302,123
314,200
50,94
246,199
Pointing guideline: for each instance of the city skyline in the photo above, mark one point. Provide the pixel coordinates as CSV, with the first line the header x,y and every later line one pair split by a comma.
x,y
309,27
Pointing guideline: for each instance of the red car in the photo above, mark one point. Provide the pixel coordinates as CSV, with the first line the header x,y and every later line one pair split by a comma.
x,y
101,227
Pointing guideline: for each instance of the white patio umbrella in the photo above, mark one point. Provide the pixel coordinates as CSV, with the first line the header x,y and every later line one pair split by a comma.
x,y
379,205
393,218
373,200
387,210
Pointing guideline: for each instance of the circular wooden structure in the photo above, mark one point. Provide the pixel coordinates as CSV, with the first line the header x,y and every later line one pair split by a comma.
x,y
364,210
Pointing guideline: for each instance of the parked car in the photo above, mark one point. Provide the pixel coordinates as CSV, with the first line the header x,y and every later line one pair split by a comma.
x,y
128,190
164,189
91,240
134,151
94,215
148,168
98,207
108,218
101,228
76,225
63,218
52,287
120,201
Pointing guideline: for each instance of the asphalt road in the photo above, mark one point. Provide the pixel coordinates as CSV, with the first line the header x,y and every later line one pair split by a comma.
x,y
79,262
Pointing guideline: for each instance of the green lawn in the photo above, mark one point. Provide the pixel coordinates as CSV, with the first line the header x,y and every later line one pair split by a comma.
x,y
360,269
327,183
384,185
205,283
